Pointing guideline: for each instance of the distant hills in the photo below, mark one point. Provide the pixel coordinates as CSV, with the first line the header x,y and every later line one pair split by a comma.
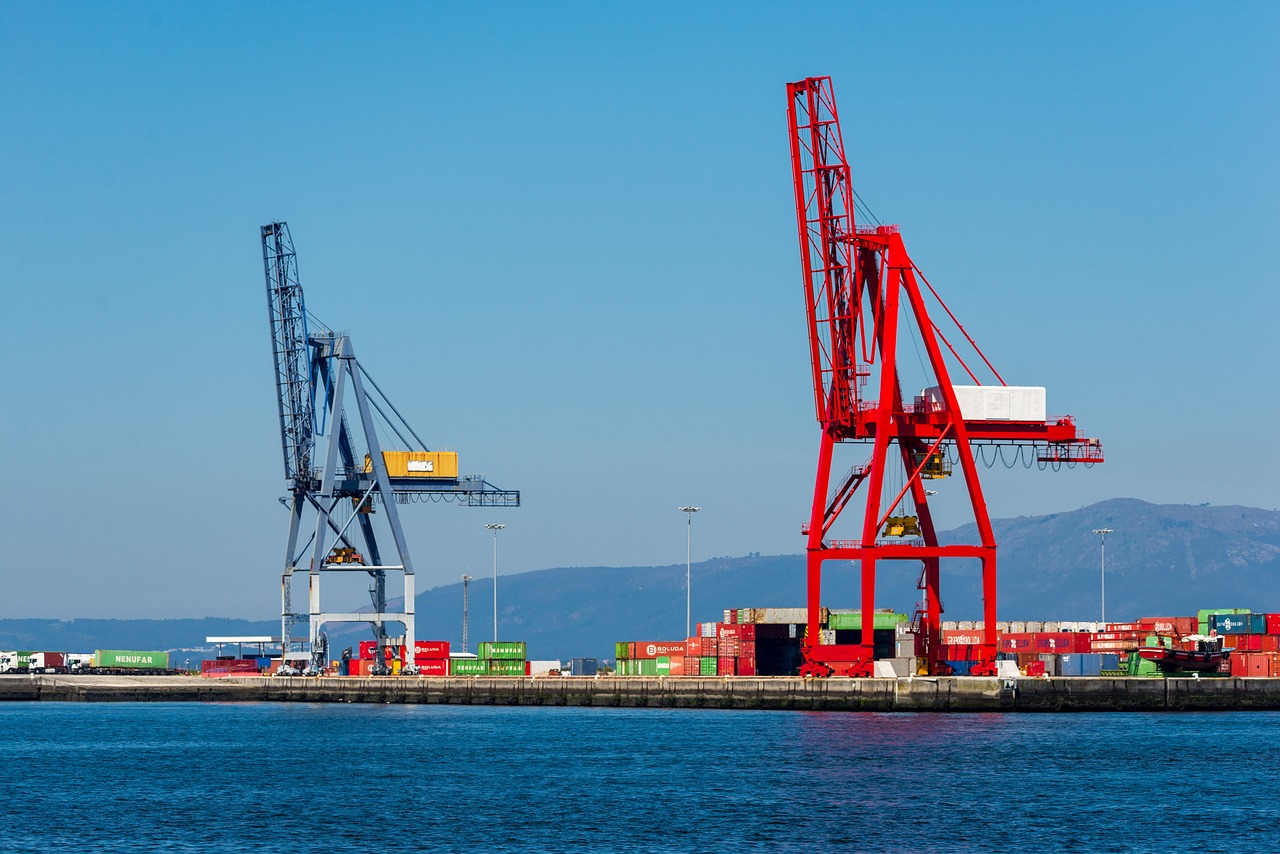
x,y
1161,560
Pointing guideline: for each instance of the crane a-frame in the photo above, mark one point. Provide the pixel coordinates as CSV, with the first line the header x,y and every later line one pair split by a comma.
x,y
337,476
858,280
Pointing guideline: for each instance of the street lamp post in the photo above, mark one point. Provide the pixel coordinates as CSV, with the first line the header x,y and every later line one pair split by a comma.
x,y
1102,532
466,582
496,527
688,571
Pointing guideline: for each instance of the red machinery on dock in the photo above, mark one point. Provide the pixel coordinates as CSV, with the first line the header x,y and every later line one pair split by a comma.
x,y
858,280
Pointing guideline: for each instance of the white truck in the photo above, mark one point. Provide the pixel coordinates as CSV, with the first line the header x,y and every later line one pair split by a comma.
x,y
13,661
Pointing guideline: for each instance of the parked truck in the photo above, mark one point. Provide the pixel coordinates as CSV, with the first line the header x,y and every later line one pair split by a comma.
x,y
47,662
14,661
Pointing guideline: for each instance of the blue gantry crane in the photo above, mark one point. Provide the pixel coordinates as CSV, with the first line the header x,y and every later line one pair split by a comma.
x,y
337,477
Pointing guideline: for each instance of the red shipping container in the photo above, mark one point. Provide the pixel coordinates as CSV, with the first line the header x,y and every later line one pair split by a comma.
x,y
1269,643
693,646
528,668
1010,642
1169,625
726,666
430,649
656,649
1273,624
1035,668
677,666
747,631
1250,643
730,647
1239,664
710,648
1258,665
367,648
747,649
746,665
433,666
961,637
961,652
1123,627
1055,642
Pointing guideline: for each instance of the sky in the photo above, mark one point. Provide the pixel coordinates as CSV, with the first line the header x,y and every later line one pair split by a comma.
x,y
562,238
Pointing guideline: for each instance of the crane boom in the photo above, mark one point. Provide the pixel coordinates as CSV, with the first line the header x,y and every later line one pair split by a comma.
x,y
289,347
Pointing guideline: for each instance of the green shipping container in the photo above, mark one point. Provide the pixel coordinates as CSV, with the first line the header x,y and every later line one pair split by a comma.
x,y
508,650
621,650
854,620
648,667
506,667
708,667
468,667
121,659
663,665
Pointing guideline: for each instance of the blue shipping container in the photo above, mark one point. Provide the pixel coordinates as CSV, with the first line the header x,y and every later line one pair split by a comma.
x,y
1257,624
1230,624
961,668
583,666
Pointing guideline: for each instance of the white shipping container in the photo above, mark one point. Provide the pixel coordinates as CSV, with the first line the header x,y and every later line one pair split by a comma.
x,y
542,668
781,616
994,402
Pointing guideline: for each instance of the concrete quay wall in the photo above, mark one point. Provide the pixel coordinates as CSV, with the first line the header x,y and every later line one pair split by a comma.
x,y
914,694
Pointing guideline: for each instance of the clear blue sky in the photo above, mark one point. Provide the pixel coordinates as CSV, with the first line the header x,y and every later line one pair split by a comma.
x,y
563,240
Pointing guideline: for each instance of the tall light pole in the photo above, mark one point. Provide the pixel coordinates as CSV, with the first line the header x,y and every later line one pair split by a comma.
x,y
466,582
496,527
1102,532
688,571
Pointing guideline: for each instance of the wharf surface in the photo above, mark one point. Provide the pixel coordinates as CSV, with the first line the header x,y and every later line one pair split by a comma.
x,y
905,694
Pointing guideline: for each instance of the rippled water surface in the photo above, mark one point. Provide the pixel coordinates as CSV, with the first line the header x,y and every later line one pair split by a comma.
x,y
337,778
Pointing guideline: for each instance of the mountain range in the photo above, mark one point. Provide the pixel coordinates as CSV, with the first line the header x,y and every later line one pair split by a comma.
x,y
1161,560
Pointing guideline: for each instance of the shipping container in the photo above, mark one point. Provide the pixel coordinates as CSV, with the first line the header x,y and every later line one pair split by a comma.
x,y
841,620
743,632
430,649
502,650
960,668
708,666
1273,624
729,647
433,667
1034,668
424,464
654,649
583,666
793,616
955,636
229,667
1015,642
468,667
707,630
505,666
1061,642
746,666
1229,624
1169,625
675,665
543,668
726,666
119,659
621,650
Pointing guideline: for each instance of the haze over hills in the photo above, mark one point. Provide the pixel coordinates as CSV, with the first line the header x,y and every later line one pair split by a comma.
x,y
1161,560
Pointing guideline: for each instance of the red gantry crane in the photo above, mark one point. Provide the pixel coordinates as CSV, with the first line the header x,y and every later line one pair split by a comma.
x,y
858,281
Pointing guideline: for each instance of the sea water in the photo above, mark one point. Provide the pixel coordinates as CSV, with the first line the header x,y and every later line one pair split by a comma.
x,y
282,777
